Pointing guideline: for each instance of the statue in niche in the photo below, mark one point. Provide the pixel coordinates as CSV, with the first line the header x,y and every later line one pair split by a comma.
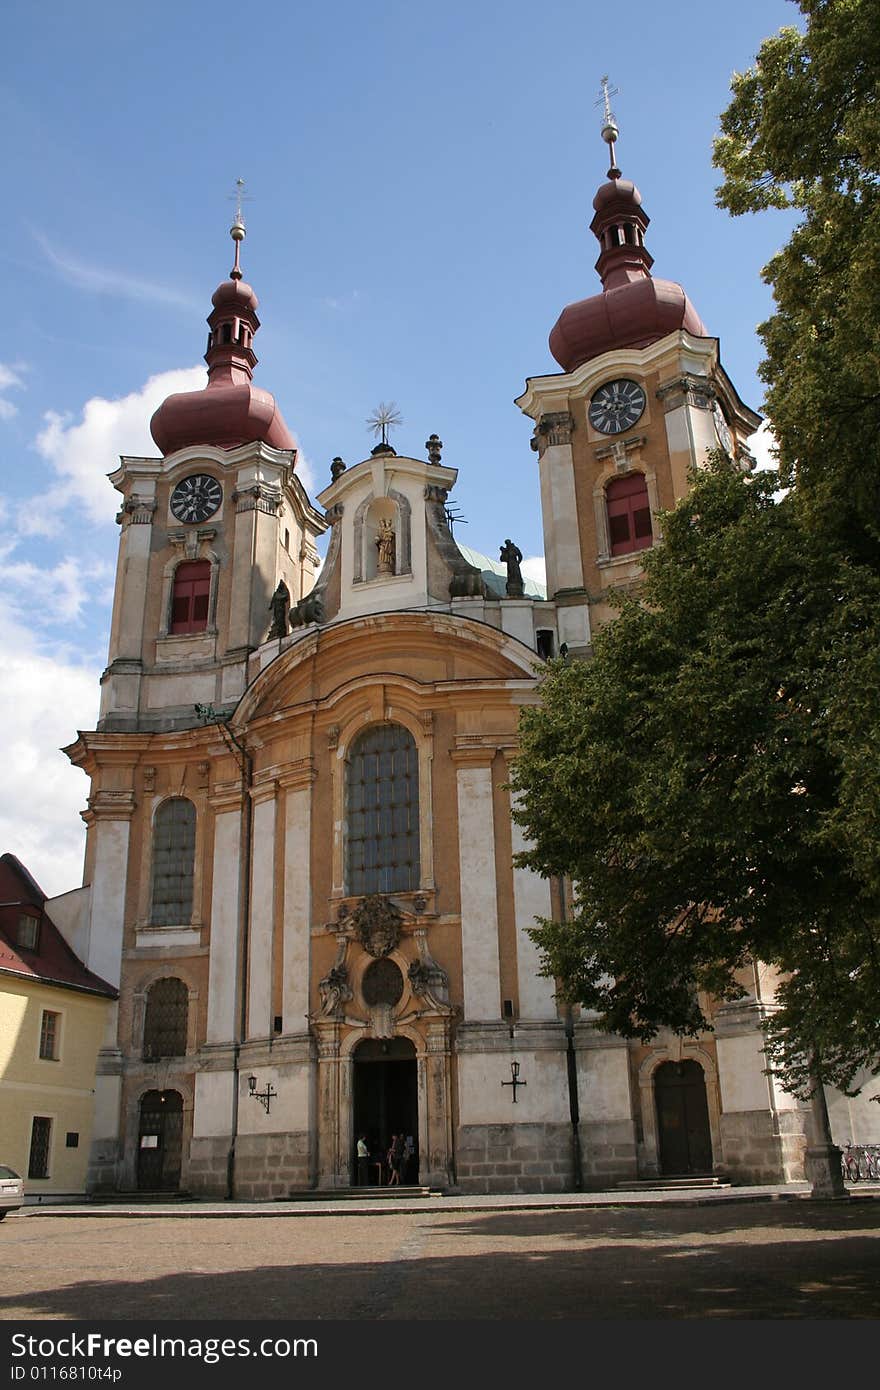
x,y
279,606
512,555
386,546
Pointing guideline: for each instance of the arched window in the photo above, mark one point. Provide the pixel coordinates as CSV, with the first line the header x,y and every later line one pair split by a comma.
x,y
166,1019
189,600
382,811
174,853
629,514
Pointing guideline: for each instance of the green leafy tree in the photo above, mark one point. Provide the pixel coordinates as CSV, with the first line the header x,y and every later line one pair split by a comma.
x,y
803,131
701,782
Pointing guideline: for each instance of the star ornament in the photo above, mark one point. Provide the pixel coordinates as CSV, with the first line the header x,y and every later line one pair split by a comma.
x,y
385,417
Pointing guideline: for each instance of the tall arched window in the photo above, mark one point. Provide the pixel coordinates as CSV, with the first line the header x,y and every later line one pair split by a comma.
x,y
165,1020
629,514
174,853
382,811
189,601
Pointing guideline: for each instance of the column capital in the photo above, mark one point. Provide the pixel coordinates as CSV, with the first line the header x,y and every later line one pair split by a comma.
x,y
479,750
298,774
554,427
108,805
686,389
227,796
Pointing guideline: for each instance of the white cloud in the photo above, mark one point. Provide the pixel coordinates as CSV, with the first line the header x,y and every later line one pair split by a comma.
x,y
44,698
43,598
762,444
10,380
84,451
534,568
102,280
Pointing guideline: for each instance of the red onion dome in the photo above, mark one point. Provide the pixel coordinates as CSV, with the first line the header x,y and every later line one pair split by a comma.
x,y
230,410
633,309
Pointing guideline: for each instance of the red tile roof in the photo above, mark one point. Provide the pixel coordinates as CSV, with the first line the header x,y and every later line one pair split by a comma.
x,y
53,962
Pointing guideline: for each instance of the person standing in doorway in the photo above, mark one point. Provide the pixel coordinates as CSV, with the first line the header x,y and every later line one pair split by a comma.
x,y
363,1157
395,1156
409,1153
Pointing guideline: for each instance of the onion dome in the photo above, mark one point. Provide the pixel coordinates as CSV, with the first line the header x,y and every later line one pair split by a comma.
x,y
230,410
633,309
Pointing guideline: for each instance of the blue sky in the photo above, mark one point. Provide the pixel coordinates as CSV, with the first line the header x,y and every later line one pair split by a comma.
x,y
420,183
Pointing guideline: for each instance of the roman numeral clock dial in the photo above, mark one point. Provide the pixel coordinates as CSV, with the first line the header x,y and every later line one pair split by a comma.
x,y
616,406
196,498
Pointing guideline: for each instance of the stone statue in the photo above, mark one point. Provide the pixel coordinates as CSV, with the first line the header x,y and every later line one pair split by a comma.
x,y
385,545
309,610
512,556
279,606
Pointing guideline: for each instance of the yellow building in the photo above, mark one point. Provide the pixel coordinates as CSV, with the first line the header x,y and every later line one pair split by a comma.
x,y
53,1016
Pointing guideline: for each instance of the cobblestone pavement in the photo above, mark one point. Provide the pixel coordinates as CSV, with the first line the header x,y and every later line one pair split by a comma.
x,y
752,1259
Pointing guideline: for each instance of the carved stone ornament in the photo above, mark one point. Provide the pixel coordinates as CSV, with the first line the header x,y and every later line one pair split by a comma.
x,y
335,990
376,922
430,982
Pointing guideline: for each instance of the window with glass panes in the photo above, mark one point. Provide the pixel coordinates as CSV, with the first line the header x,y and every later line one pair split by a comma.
x,y
629,514
174,852
189,601
382,811
41,1134
28,933
49,1036
165,1019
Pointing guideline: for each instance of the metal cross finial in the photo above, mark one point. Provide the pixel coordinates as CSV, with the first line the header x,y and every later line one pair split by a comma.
x,y
610,129
237,230
385,417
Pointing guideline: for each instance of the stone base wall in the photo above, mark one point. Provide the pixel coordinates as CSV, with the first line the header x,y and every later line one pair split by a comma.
x,y
515,1158
102,1174
608,1154
761,1148
205,1173
271,1165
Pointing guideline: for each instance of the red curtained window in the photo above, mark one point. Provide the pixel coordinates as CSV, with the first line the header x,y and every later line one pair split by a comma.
x,y
189,603
629,514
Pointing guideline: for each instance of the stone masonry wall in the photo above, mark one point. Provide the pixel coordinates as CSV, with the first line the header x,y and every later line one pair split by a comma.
x,y
757,1152
515,1158
271,1165
608,1153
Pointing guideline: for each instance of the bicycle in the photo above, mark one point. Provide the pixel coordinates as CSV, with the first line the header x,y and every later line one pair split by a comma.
x,y
849,1163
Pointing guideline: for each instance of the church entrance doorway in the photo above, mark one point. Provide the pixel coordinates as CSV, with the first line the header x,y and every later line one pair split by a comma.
x,y
682,1119
385,1103
160,1141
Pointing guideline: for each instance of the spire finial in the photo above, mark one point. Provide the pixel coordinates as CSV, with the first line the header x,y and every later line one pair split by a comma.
x,y
610,130
237,230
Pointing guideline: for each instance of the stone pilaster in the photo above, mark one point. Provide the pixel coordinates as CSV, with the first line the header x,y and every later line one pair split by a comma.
x,y
481,969
262,912
225,964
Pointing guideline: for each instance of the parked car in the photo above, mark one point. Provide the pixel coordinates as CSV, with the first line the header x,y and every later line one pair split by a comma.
x,y
11,1190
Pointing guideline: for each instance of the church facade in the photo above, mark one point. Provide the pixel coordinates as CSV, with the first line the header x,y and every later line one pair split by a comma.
x,y
300,866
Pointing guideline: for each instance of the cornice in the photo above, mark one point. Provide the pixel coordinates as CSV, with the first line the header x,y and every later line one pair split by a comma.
x,y
434,474
547,392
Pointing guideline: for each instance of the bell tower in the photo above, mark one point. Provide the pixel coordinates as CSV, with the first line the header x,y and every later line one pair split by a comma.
x,y
641,399
211,530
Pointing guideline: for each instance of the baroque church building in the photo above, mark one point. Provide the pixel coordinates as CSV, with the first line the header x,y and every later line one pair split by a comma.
x,y
300,861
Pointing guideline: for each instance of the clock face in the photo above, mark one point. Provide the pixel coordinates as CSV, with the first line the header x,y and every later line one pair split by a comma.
x,y
196,498
616,406
725,438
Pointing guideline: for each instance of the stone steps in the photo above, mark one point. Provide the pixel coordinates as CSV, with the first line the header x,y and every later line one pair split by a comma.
x,y
356,1194
132,1195
670,1184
